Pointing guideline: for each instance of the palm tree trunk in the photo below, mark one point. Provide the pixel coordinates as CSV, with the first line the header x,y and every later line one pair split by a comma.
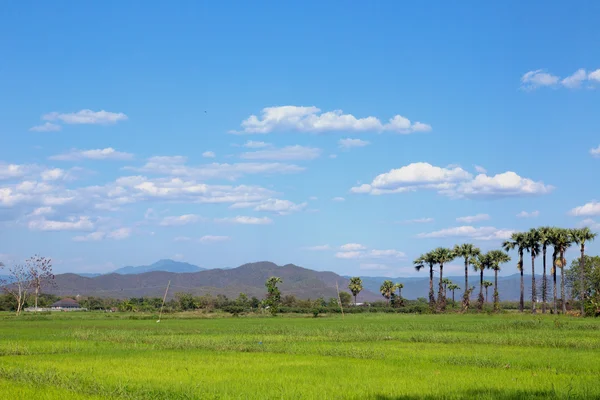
x,y
544,283
562,283
533,288
441,289
452,296
496,293
37,291
582,280
355,300
431,295
481,282
466,279
554,282
522,297
486,294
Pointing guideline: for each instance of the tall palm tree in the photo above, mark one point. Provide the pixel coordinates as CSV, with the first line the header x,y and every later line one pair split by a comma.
x,y
446,282
399,286
453,287
355,286
497,257
442,256
427,259
517,241
486,285
386,290
553,234
563,240
580,237
480,264
467,251
532,245
546,234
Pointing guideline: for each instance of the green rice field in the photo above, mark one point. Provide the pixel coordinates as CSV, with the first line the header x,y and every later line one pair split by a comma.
x,y
362,356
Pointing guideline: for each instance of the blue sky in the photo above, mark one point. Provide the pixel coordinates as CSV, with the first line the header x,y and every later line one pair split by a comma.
x,y
337,136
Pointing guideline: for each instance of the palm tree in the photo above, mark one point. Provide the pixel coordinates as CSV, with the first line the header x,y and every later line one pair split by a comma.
x,y
355,286
497,257
427,259
446,282
386,289
580,237
467,251
480,264
399,286
554,233
532,245
546,234
563,241
486,285
517,241
453,287
442,256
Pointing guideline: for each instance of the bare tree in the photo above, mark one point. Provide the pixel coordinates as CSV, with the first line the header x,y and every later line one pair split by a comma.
x,y
40,273
17,285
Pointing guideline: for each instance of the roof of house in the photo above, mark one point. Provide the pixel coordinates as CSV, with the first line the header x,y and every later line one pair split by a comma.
x,y
66,303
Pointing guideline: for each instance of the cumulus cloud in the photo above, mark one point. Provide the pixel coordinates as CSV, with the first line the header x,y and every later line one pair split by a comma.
x,y
352,246
594,75
525,214
322,247
311,119
213,239
52,174
538,78
453,182
590,223
281,207
480,169
589,209
253,144
71,224
46,127
296,152
176,166
575,80
95,154
12,171
351,143
480,233
247,220
369,254
209,154
86,117
473,218
180,220
117,234
595,151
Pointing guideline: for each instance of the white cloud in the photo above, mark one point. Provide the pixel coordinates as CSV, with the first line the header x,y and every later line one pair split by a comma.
x,y
86,117
46,127
296,152
348,254
319,247
352,247
338,199
209,154
95,154
453,182
247,220
350,143
480,169
473,218
594,75
117,234
252,144
311,119
281,207
175,165
333,156
417,221
574,81
71,224
213,239
590,223
525,214
370,254
480,233
52,174
538,78
180,220
373,267
42,211
11,171
595,151
589,209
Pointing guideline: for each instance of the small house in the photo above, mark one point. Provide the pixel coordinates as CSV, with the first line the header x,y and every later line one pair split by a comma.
x,y
66,304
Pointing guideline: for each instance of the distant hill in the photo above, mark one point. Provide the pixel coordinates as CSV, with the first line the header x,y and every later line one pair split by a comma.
x,y
509,286
161,265
248,278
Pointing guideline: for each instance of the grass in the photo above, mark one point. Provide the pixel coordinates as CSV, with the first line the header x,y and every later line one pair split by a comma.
x,y
120,356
